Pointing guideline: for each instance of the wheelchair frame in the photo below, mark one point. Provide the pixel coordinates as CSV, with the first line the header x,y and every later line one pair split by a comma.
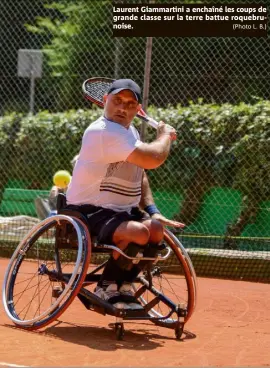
x,y
69,224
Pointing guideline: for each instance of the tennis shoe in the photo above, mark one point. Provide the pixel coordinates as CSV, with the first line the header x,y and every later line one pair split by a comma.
x,y
126,290
111,295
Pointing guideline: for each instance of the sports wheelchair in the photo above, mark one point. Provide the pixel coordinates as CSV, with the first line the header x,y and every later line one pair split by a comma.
x,y
59,260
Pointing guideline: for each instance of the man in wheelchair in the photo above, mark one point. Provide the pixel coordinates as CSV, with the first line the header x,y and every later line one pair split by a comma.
x,y
110,187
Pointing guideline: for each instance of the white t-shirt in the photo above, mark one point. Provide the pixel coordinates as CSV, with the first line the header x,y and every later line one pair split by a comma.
x,y
101,176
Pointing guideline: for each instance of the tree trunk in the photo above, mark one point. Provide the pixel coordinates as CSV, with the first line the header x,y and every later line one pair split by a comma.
x,y
201,182
248,213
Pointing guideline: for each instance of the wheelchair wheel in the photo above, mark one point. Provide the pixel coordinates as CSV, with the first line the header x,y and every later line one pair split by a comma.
x,y
175,279
46,271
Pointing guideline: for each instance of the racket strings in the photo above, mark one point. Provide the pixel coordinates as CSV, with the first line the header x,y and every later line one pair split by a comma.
x,y
94,90
97,89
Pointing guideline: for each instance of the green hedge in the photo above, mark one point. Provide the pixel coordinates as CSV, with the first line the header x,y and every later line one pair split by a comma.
x,y
218,145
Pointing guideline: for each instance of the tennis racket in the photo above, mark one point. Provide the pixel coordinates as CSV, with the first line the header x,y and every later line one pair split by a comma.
x,y
95,88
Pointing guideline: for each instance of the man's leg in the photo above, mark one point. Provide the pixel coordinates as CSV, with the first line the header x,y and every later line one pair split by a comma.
x,y
130,232
156,233
119,272
127,232
156,230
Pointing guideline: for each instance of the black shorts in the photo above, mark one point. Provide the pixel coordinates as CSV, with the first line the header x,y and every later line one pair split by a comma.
x,y
103,222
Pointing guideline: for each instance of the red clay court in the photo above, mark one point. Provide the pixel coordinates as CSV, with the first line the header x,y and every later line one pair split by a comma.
x,y
230,327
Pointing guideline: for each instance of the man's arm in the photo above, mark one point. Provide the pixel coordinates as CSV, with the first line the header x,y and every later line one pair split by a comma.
x,y
147,197
152,155
148,200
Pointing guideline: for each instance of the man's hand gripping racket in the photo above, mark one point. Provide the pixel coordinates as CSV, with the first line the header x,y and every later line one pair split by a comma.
x,y
95,88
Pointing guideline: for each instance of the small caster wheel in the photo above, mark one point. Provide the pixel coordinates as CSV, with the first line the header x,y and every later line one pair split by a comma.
x,y
178,332
56,291
119,330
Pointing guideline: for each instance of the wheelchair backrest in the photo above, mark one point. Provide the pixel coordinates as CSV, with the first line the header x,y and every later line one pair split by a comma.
x,y
61,202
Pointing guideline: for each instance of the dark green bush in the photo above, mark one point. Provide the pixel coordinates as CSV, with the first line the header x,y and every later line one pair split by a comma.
x,y
230,142
224,145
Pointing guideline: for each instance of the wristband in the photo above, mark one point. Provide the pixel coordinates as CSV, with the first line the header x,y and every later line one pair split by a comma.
x,y
151,209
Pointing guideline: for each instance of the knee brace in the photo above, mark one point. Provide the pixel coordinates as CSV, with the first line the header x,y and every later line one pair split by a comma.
x,y
132,250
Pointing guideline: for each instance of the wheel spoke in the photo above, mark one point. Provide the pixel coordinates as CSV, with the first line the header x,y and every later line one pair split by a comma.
x,y
42,300
20,282
29,303
26,285
27,289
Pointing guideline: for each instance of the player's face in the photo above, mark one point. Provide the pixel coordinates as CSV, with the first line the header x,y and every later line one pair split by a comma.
x,y
122,107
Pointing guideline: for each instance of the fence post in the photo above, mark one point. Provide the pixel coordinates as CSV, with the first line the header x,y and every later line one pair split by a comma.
x,y
117,57
147,70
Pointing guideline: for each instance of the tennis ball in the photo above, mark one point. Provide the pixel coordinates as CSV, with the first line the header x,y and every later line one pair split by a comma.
x,y
61,178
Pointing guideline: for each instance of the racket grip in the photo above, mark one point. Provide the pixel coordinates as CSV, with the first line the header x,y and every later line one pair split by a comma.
x,y
144,117
152,122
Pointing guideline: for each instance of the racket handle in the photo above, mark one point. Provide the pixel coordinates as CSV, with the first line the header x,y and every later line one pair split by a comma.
x,y
143,116
152,122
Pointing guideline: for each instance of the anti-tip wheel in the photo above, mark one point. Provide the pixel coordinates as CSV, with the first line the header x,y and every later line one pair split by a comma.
x,y
178,332
119,330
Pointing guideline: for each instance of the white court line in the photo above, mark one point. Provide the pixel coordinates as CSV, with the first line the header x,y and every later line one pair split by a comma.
x,y
11,365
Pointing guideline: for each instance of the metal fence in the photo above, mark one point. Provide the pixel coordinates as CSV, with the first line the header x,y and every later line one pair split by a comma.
x,y
76,43
76,40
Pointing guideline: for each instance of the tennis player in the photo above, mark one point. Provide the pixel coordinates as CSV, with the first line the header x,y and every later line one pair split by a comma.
x,y
110,187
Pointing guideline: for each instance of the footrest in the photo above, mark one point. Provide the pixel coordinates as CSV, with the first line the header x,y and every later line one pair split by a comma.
x,y
136,313
123,299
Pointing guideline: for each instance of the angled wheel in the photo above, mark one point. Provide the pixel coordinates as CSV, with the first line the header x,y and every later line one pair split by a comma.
x,y
175,280
46,271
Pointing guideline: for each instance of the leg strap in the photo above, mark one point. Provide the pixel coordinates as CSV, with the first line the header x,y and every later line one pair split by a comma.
x,y
131,251
151,251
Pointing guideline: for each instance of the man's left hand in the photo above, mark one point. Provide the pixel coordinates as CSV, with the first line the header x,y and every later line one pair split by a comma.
x,y
165,221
